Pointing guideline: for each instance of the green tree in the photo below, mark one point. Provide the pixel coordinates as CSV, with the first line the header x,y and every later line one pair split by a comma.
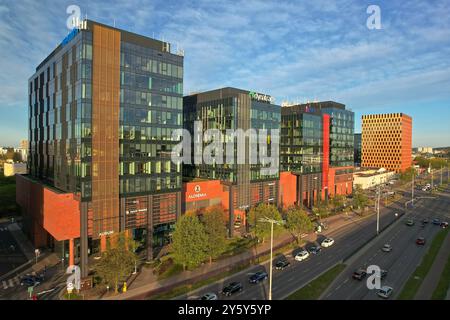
x,y
320,209
117,262
216,232
189,242
406,175
298,222
261,229
337,202
360,199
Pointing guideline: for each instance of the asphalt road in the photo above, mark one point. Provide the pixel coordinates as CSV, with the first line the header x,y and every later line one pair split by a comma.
x,y
298,274
401,261
10,254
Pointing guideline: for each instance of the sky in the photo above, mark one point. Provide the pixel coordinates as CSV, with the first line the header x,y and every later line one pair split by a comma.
x,y
292,50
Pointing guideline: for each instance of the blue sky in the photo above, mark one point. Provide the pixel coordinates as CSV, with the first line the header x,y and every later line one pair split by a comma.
x,y
292,50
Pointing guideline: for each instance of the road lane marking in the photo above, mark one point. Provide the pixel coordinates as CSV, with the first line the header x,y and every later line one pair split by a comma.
x,y
11,283
5,286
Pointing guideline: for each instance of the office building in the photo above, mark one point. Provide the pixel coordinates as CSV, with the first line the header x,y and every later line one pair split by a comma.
x,y
102,108
387,141
357,149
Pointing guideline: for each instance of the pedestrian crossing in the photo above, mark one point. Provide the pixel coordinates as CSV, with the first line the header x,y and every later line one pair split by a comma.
x,y
10,283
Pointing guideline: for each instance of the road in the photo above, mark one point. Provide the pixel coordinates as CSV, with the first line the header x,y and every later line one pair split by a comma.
x,y
402,260
298,274
10,254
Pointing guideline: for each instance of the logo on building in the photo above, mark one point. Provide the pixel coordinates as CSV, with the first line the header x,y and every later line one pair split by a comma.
x,y
197,188
260,97
197,194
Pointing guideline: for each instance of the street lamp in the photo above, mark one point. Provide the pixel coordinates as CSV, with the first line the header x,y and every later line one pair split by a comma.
x,y
271,221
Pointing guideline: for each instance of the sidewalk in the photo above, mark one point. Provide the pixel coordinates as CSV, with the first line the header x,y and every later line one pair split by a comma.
x,y
22,241
146,282
431,280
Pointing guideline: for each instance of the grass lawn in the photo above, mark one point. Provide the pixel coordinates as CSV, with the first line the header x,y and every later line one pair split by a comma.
x,y
440,293
410,289
315,288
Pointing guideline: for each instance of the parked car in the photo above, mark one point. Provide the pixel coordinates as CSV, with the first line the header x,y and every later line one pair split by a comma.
x,y
257,277
31,280
420,241
232,288
409,222
385,292
315,249
281,264
302,255
436,222
383,274
425,221
328,242
444,225
387,248
359,274
209,296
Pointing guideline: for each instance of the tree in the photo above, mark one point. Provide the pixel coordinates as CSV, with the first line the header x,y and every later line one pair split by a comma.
x,y
406,175
117,262
215,230
320,209
298,222
261,229
189,242
360,200
337,202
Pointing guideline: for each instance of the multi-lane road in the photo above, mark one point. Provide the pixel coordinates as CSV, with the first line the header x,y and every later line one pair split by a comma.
x,y
347,240
401,262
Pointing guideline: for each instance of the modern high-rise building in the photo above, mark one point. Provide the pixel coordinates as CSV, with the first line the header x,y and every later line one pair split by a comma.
x,y
102,108
387,141
316,152
231,109
357,150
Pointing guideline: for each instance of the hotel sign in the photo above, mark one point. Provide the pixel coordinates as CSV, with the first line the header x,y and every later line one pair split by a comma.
x,y
198,194
260,97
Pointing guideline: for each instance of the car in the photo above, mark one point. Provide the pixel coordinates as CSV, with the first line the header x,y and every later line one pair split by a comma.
x,y
409,222
232,288
209,296
257,277
359,274
436,222
444,225
420,241
425,221
31,280
387,248
385,292
315,249
302,255
383,274
328,242
281,264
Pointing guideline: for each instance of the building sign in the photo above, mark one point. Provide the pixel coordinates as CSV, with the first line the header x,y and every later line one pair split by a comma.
x,y
106,233
261,97
82,25
198,194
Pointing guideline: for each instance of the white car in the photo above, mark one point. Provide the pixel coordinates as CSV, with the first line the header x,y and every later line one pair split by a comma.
x,y
209,296
385,292
328,242
387,248
302,255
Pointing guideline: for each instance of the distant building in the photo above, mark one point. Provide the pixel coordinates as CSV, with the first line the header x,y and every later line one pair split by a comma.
x,y
425,149
386,141
357,149
370,178
12,168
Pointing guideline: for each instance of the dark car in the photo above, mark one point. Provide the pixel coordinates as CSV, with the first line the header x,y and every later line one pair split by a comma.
x,y
383,274
436,222
31,281
425,221
420,241
257,277
359,274
233,287
314,249
281,264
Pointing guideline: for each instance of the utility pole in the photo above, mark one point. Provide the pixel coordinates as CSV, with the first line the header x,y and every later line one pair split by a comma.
x,y
441,175
432,184
412,187
378,210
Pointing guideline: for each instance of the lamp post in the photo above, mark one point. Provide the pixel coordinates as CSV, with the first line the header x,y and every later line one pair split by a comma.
x,y
378,209
271,221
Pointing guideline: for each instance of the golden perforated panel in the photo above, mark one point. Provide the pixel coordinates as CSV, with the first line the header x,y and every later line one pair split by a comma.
x,y
105,127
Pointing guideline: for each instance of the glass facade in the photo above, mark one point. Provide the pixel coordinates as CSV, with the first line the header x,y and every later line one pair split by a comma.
x,y
301,143
342,124
151,104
